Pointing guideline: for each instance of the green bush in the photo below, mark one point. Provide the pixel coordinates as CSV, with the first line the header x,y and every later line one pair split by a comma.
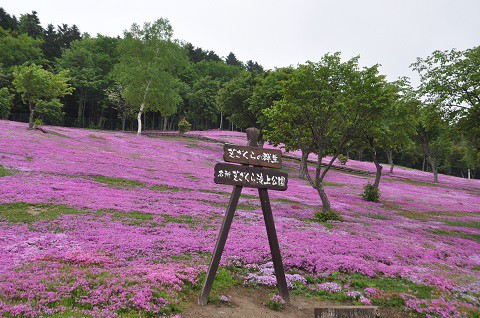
x,y
184,126
326,216
343,159
275,302
370,193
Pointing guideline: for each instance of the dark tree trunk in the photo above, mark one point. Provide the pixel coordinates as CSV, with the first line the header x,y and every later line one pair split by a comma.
x,y
379,168
423,164
360,154
124,119
433,163
323,197
32,112
390,159
303,165
165,123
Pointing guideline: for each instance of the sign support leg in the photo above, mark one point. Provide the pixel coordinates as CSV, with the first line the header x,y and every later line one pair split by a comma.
x,y
217,253
274,247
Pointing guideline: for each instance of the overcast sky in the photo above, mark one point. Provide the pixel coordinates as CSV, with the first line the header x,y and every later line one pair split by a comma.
x,y
279,33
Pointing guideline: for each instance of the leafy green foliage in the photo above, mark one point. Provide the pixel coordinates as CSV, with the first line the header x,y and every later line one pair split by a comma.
x,y
325,105
234,99
324,216
147,65
184,126
275,302
6,102
371,193
36,85
20,49
342,158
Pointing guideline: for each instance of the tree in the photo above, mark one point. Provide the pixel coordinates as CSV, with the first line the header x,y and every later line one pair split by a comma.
x,y
18,50
58,40
401,120
30,24
124,108
451,81
147,65
84,72
325,105
433,137
254,67
395,127
6,102
198,54
232,60
37,86
203,102
8,22
234,99
90,62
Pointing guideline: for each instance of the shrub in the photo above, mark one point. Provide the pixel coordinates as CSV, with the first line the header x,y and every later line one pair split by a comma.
x,y
184,126
275,302
326,216
370,193
343,159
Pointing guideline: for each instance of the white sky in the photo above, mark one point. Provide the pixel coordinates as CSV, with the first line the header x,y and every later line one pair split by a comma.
x,y
278,33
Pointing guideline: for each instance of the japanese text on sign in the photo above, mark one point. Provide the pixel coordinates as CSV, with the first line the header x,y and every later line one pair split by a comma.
x,y
253,155
250,176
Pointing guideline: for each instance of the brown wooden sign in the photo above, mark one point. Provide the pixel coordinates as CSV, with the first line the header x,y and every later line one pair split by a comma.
x,y
254,177
251,177
254,156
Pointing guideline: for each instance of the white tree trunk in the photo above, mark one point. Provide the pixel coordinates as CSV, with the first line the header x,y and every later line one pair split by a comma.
x,y
142,107
139,119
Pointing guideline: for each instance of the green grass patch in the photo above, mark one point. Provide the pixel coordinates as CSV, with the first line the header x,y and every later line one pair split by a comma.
x,y
28,213
96,137
6,172
467,236
118,182
122,183
418,183
332,184
426,216
165,188
388,289
471,224
378,216
183,219
58,134
248,206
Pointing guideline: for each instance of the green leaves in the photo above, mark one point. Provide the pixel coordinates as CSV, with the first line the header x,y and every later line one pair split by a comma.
x,y
36,85
147,66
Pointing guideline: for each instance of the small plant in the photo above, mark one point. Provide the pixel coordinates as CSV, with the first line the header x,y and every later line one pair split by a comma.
x,y
275,302
325,216
184,126
37,123
343,159
370,193
224,299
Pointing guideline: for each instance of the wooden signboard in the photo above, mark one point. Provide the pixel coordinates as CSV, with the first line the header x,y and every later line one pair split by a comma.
x,y
256,177
253,156
251,177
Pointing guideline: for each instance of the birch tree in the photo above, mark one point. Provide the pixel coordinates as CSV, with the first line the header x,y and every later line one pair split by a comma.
x,y
148,63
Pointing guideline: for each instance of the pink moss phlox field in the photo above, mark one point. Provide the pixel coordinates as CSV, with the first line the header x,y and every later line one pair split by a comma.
x,y
147,215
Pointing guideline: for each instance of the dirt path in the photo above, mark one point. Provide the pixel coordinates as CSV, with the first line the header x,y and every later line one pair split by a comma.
x,y
247,303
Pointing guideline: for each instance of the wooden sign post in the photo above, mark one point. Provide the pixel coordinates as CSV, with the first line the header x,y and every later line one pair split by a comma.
x,y
253,177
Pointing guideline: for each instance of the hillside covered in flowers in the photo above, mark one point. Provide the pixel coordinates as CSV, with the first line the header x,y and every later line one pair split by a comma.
x,y
105,224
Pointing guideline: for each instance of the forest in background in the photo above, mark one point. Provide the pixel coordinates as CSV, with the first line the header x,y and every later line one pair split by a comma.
x,y
60,76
